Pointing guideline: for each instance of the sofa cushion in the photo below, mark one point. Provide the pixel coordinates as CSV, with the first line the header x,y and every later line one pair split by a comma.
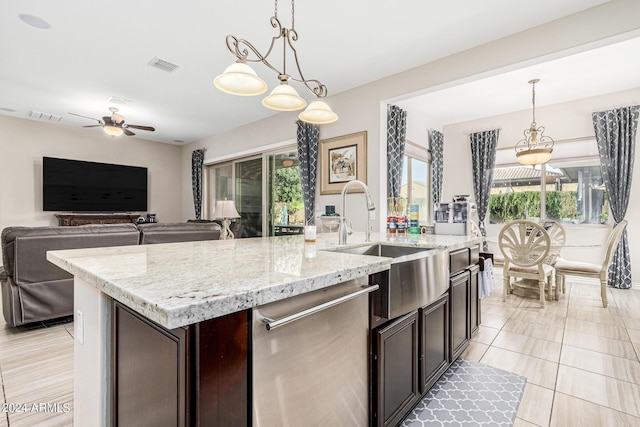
x,y
178,232
30,245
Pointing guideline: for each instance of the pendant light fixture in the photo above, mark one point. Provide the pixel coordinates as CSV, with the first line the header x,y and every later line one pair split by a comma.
x,y
240,79
535,148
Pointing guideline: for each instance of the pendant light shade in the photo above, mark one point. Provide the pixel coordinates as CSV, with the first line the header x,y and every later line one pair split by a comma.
x,y
240,79
319,113
284,98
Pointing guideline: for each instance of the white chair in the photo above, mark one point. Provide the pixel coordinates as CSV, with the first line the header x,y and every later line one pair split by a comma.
x,y
525,246
558,237
585,269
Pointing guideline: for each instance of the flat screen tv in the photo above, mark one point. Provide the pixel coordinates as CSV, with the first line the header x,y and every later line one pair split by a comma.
x,y
79,186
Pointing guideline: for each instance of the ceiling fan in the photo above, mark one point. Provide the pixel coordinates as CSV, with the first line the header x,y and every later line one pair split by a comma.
x,y
114,124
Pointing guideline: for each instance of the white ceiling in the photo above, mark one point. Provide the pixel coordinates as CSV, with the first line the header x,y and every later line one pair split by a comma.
x,y
95,51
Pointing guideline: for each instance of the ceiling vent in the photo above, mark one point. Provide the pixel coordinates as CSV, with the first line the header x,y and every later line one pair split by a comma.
x,y
118,100
163,65
45,117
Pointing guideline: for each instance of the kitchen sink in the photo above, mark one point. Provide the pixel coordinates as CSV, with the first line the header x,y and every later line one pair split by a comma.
x,y
417,277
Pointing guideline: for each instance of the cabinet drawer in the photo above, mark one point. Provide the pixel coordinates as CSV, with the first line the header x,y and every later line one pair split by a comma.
x,y
459,260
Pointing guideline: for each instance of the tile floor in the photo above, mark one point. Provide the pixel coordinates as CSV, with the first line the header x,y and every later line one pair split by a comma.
x,y
581,360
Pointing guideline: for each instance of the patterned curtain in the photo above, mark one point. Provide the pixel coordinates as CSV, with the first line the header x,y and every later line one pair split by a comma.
x,y
197,159
396,135
616,135
308,136
483,157
436,142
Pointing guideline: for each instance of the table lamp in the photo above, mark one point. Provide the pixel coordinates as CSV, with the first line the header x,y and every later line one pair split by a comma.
x,y
225,209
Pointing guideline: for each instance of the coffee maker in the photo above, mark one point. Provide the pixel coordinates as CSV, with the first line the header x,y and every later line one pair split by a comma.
x,y
453,217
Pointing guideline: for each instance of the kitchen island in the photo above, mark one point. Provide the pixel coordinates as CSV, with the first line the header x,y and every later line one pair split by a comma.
x,y
188,285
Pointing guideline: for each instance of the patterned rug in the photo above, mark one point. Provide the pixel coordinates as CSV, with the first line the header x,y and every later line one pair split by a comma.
x,y
470,394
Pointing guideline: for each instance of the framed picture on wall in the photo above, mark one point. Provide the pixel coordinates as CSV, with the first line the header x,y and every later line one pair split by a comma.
x,y
342,159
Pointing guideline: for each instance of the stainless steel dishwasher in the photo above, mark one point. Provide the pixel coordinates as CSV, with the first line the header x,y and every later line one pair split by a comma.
x,y
310,358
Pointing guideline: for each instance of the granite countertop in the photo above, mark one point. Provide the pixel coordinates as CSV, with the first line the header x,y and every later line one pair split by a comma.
x,y
179,284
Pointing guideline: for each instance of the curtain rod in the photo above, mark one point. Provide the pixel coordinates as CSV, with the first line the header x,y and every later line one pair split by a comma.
x,y
557,141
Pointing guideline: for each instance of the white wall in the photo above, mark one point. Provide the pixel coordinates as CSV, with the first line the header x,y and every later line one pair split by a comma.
x,y
364,108
24,142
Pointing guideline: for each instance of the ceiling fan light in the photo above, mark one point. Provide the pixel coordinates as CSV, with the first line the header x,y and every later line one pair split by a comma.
x,y
240,79
112,130
319,113
284,98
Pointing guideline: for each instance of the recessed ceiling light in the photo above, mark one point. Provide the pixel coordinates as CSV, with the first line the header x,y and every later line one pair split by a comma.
x,y
8,110
34,21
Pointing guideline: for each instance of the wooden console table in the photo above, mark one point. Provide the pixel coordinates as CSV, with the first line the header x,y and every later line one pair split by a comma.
x,y
84,219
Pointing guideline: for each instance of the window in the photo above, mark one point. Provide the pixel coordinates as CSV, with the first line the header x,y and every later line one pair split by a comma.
x,y
266,190
416,185
573,192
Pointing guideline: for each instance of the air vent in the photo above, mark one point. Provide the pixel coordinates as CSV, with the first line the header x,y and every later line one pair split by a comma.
x,y
163,65
118,100
45,117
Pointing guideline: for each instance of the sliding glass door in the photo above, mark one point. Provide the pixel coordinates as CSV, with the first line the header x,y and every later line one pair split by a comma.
x,y
266,190
284,194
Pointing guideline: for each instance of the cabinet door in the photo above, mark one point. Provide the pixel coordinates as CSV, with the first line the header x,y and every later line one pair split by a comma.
x,y
434,342
460,319
396,357
149,372
474,301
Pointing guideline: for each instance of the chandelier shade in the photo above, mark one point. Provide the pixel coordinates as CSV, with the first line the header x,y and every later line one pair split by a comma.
x,y
240,79
319,113
535,148
284,98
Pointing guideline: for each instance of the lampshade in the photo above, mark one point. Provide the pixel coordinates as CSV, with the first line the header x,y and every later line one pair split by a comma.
x,y
240,79
112,130
284,98
318,112
534,156
225,209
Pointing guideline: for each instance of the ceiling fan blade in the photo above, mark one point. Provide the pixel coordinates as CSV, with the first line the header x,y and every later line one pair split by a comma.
x,y
149,128
86,117
92,126
128,132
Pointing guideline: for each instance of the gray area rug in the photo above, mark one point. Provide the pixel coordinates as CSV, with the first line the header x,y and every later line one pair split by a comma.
x,y
470,394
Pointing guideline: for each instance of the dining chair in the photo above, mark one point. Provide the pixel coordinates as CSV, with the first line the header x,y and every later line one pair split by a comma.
x,y
525,246
586,269
558,237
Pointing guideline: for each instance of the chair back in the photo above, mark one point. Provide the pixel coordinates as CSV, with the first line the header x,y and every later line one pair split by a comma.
x,y
612,243
523,243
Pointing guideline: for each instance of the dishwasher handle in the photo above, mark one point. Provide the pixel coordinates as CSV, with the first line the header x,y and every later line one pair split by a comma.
x,y
273,324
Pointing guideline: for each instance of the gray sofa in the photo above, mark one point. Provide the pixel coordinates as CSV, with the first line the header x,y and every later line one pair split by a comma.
x,y
34,290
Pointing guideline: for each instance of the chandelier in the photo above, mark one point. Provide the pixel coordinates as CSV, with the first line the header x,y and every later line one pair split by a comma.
x,y
535,148
240,79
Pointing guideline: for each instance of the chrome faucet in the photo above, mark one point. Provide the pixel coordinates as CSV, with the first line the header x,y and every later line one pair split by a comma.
x,y
342,228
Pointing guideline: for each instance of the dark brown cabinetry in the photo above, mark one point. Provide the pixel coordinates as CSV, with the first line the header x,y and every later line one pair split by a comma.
x,y
460,324
150,372
434,341
181,377
396,373
464,302
84,219
474,311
